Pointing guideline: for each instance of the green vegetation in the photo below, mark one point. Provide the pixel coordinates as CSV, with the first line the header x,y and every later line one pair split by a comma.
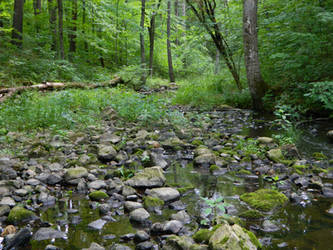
x,y
202,236
264,199
150,202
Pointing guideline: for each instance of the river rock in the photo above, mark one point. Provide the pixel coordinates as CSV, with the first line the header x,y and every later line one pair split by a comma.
x,y
165,193
75,173
7,201
172,227
98,184
131,205
55,167
265,140
46,199
53,179
148,178
182,216
147,245
233,237
4,209
275,155
97,224
127,191
119,247
330,134
47,233
106,153
94,246
139,215
327,192
205,160
21,238
269,227
141,236
4,191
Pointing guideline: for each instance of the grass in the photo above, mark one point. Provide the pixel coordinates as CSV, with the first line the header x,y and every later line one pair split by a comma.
x,y
72,109
209,92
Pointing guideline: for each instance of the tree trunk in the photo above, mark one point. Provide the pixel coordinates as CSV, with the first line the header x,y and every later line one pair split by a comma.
x,y
53,26
171,74
72,35
116,57
177,16
184,33
37,4
61,31
142,41
256,83
18,23
151,30
85,44
217,62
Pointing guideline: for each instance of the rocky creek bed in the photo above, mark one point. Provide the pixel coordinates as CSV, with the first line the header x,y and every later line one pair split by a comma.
x,y
122,186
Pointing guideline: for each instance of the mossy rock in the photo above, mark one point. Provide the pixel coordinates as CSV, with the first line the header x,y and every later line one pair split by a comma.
x,y
251,214
186,188
319,156
202,236
197,142
253,238
264,199
98,195
214,168
244,172
275,155
19,214
150,203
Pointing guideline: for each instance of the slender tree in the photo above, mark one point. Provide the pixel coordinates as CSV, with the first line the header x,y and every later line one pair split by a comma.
x,y
256,83
37,4
61,31
205,12
18,23
171,73
85,44
142,41
72,34
151,31
52,7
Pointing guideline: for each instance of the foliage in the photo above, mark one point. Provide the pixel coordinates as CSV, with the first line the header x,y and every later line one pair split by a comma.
x,y
321,92
251,146
215,206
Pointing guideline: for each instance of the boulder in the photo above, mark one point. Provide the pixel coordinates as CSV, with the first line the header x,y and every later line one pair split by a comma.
x,y
97,224
165,193
98,184
233,237
139,215
205,160
19,214
275,155
148,178
20,239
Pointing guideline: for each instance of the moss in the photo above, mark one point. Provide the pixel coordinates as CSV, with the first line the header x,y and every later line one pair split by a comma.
x,y
251,214
319,156
225,239
186,188
98,195
19,214
152,202
253,238
202,236
319,170
213,168
264,199
246,159
197,142
244,172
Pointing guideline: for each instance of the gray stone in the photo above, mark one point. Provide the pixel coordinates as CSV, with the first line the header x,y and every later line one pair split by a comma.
x,y
4,209
53,179
158,160
46,199
4,191
98,184
265,140
205,159
165,193
149,177
47,233
330,134
131,205
106,153
75,173
147,245
97,224
21,192
7,201
172,227
33,182
94,246
20,239
119,247
127,191
139,215
182,216
141,236
55,167
269,227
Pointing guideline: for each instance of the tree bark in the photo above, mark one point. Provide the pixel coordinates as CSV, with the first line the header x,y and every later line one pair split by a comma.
x,y
52,20
151,30
142,41
85,44
17,32
171,73
61,31
256,83
177,16
72,35
37,4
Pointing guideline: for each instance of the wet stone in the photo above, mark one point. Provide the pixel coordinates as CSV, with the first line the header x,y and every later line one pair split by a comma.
x,y
127,237
46,233
173,226
269,226
144,245
7,201
141,236
131,205
139,215
97,224
327,192
109,237
98,184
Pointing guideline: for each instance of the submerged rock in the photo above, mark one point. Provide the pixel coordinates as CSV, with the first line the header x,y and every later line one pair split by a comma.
x,y
233,237
149,177
264,199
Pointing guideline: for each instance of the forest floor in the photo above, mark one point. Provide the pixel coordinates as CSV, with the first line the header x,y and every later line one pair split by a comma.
x,y
125,170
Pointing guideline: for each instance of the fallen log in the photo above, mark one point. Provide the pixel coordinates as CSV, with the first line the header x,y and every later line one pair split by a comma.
x,y
6,93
